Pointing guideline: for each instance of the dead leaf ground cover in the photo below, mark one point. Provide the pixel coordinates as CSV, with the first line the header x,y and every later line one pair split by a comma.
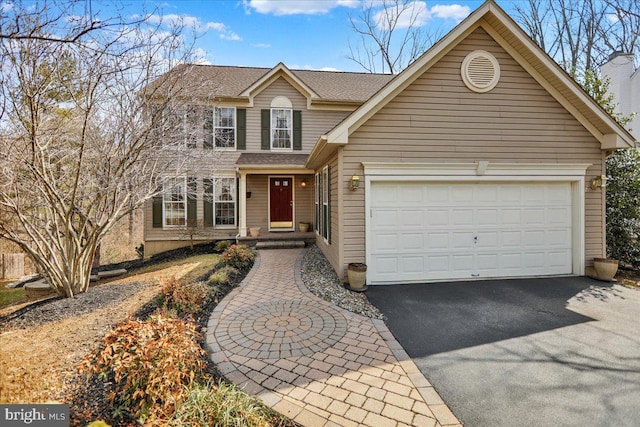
x,y
35,361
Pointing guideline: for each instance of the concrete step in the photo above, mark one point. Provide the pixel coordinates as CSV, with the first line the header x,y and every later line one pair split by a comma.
x,y
280,244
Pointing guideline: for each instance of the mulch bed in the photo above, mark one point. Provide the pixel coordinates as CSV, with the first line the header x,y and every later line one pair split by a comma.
x,y
87,395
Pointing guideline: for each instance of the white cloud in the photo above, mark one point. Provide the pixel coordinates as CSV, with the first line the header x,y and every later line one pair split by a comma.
x,y
173,20
450,11
261,45
200,57
413,14
217,26
230,35
312,68
416,14
296,7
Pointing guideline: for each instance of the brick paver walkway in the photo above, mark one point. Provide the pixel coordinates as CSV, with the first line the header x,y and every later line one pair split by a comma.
x,y
312,361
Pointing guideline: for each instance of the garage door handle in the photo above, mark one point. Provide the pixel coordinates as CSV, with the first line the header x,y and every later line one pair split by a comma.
x,y
475,275
475,239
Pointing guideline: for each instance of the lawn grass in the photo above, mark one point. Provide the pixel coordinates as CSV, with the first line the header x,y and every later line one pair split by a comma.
x,y
10,296
204,263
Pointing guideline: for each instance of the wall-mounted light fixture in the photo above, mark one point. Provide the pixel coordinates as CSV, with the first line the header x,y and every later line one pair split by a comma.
x,y
303,184
598,182
354,183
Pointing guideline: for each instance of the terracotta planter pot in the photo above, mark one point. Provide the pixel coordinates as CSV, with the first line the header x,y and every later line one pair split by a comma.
x,y
303,227
606,268
357,274
254,231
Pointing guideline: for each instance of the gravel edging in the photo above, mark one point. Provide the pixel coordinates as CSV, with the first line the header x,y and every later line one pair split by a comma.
x,y
57,309
321,279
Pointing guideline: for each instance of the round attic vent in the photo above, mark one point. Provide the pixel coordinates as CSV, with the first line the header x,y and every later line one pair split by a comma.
x,y
480,71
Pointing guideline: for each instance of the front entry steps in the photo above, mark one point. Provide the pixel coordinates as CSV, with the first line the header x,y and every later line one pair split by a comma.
x,y
280,244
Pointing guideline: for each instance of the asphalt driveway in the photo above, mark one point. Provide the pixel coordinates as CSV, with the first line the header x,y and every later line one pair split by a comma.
x,y
527,352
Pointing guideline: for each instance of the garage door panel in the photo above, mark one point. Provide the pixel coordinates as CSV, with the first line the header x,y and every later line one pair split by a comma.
x,y
436,217
386,218
411,217
533,216
462,217
413,264
437,241
438,231
462,240
487,217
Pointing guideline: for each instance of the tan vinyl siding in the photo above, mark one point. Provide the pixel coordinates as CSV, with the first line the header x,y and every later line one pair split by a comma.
x,y
258,204
304,203
437,119
331,251
314,122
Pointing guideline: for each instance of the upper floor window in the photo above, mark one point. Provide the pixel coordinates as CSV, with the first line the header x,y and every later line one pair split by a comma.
x,y
225,127
281,123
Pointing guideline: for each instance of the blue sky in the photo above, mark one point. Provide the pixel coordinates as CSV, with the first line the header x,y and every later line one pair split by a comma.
x,y
311,34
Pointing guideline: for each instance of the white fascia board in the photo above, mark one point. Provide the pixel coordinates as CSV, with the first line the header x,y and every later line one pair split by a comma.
x,y
612,141
273,74
477,170
273,169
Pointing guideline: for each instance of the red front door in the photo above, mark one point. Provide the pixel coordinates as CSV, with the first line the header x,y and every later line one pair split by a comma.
x,y
281,202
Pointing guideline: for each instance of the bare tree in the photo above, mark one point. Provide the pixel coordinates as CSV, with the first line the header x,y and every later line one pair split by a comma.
x,y
79,129
581,34
390,35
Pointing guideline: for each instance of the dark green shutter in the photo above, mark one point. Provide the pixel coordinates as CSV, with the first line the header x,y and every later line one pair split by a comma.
x,y
329,204
156,211
208,202
192,202
208,128
241,127
297,130
266,129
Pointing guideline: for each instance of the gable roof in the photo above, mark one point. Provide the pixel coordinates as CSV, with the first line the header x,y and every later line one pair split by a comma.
x,y
519,45
242,83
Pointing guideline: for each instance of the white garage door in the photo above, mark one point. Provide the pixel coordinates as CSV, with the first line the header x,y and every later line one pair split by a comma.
x,y
425,231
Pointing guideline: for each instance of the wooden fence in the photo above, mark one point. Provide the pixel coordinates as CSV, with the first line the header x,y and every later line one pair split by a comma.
x,y
12,266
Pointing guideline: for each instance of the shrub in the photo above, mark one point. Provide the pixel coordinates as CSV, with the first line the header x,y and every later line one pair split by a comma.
x,y
221,404
184,298
152,363
222,245
218,278
239,257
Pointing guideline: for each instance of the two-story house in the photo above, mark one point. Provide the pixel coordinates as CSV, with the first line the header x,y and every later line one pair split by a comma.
x,y
483,158
247,147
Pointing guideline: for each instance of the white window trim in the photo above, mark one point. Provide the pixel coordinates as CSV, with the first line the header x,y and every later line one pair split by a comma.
x,y
235,202
290,129
235,129
164,202
326,232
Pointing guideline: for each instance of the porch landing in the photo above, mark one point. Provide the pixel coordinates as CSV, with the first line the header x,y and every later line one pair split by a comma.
x,y
279,236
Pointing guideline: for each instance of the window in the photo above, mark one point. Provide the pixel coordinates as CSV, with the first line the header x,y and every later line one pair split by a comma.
x,y
323,221
225,201
317,199
281,128
174,205
175,125
325,203
225,127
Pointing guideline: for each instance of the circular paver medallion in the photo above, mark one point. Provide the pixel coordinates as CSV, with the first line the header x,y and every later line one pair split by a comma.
x,y
280,329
